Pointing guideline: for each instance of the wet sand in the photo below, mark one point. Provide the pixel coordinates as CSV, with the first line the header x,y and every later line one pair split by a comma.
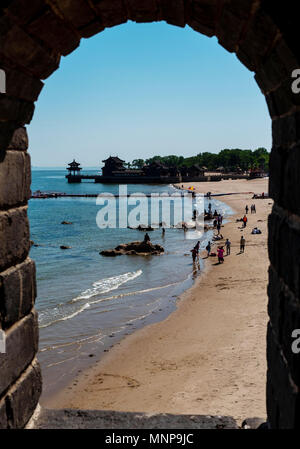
x,y
209,356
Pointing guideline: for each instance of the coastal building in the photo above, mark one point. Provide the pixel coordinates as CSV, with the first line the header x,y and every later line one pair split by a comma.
x,y
113,165
156,169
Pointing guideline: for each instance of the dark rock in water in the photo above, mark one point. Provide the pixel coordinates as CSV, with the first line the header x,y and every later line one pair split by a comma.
x,y
66,222
65,247
134,248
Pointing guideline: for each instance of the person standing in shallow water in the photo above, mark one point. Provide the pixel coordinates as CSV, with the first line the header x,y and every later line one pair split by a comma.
x,y
197,247
146,238
242,244
194,254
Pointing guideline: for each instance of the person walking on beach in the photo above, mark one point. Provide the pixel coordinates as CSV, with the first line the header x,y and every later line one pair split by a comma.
x,y
254,208
247,209
208,249
228,245
218,227
194,254
242,244
245,219
221,254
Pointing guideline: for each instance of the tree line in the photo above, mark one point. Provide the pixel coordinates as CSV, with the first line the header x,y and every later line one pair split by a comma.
x,y
229,159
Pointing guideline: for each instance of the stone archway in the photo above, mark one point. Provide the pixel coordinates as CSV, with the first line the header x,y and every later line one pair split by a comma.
x,y
34,36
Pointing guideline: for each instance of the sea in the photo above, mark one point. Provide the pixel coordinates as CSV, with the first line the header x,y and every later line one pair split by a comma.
x,y
87,302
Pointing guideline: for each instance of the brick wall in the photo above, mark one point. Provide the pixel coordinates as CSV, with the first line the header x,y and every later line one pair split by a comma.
x,y
33,37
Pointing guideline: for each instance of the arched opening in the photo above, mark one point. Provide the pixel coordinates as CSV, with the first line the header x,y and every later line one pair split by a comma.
x,y
258,32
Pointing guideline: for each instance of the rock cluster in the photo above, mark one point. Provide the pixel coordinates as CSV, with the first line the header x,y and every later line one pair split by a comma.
x,y
134,248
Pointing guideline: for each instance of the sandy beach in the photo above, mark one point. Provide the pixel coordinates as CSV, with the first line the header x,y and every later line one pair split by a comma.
x,y
209,356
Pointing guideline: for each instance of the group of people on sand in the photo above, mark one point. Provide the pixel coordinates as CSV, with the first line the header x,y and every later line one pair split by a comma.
x,y
226,247
217,223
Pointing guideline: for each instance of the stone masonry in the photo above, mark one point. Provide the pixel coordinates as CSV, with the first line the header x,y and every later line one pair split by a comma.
x,y
33,36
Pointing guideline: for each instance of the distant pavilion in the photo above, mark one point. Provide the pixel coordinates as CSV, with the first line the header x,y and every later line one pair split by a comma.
x,y
74,168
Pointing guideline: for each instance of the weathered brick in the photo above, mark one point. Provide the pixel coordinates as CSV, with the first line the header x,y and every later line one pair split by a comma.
x,y
230,29
7,130
286,131
3,416
271,73
23,11
23,398
19,47
17,292
91,29
112,12
282,397
202,16
284,312
283,99
12,109
284,247
19,140
21,85
21,347
278,160
142,10
79,13
54,32
15,179
258,39
14,237
172,11
291,181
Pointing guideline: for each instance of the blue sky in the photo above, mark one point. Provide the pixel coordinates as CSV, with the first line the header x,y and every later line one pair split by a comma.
x,y
137,90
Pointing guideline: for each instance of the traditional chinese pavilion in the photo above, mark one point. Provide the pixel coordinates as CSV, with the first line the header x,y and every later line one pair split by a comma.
x,y
74,168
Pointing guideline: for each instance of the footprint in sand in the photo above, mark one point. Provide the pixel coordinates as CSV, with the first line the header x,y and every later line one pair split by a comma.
x,y
114,382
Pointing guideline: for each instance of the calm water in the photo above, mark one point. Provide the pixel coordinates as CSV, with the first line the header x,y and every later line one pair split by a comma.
x,y
87,302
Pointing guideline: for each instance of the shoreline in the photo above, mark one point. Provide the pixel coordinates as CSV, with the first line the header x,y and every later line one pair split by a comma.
x,y
184,370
